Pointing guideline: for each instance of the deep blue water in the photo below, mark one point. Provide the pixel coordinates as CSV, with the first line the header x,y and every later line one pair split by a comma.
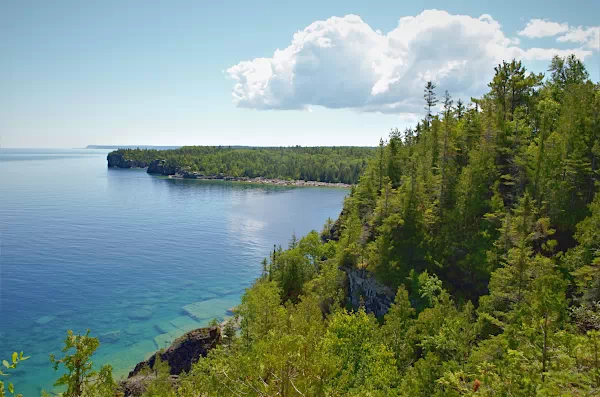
x,y
122,252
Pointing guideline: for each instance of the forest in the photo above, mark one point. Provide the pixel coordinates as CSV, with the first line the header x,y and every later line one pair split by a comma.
x,y
484,218
322,164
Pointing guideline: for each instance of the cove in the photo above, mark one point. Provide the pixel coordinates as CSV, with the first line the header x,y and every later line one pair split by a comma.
x,y
136,258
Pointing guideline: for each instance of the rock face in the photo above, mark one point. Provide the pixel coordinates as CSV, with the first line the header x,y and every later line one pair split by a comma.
x,y
161,167
183,352
377,297
118,161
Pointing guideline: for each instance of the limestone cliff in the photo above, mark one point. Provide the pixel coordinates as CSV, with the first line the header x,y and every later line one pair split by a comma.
x,y
377,297
117,160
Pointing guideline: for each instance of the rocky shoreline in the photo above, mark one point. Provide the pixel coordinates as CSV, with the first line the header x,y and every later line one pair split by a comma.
x,y
160,167
360,286
181,355
258,180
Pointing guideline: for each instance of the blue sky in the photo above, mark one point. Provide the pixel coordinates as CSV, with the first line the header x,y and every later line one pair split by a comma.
x,y
75,73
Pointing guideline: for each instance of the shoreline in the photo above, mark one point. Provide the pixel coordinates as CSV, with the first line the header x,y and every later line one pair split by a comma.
x,y
161,168
261,181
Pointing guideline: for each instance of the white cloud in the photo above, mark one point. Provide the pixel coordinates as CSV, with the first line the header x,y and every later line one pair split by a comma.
x,y
586,36
344,63
537,28
589,37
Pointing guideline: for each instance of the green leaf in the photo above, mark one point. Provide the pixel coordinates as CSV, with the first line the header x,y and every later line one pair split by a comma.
x,y
5,363
11,388
15,357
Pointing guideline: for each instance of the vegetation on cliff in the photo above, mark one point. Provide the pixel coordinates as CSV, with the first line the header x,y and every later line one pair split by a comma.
x,y
486,219
323,164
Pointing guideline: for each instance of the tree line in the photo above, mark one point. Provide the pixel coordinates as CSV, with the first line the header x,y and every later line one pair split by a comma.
x,y
323,164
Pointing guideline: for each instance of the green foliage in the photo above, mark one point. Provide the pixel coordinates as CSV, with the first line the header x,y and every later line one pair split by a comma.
x,y
16,358
161,384
485,218
490,202
323,164
80,379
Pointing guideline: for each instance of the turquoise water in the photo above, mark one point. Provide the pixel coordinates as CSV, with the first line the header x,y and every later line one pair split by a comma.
x,y
136,258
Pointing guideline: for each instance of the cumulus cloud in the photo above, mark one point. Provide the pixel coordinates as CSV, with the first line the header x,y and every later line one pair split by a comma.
x,y
537,28
586,36
589,37
344,63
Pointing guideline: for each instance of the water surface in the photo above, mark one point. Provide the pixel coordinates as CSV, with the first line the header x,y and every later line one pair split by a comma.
x,y
125,253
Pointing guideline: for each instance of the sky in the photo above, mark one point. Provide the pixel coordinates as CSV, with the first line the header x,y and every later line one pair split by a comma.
x,y
267,73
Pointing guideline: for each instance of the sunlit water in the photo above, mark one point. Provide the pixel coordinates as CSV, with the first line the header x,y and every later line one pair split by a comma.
x,y
122,252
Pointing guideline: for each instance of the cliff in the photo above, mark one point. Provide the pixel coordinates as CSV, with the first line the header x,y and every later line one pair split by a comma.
x,y
116,160
376,297
162,168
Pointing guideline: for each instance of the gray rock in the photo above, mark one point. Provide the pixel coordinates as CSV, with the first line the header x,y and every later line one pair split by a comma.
x,y
116,160
181,355
160,167
377,297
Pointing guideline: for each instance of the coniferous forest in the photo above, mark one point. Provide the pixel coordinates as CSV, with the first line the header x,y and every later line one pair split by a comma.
x,y
322,164
484,218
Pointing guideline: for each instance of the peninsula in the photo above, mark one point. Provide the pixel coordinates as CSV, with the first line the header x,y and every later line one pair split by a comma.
x,y
291,166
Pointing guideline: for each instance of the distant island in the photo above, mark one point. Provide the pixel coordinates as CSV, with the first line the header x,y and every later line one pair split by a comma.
x,y
298,166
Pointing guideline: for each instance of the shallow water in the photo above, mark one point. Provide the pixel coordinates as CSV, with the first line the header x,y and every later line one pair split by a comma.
x,y
122,253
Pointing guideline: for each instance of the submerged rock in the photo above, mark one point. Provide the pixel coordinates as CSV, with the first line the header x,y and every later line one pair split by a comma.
x,y
140,313
207,309
110,337
44,320
133,330
181,355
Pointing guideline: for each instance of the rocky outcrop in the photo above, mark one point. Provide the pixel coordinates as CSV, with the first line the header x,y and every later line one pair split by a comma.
x,y
117,160
377,297
185,350
181,355
135,386
162,168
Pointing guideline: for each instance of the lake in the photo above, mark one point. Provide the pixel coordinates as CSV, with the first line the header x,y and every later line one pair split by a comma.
x,y
122,252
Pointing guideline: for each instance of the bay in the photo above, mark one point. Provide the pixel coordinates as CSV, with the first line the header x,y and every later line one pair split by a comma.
x,y
122,253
